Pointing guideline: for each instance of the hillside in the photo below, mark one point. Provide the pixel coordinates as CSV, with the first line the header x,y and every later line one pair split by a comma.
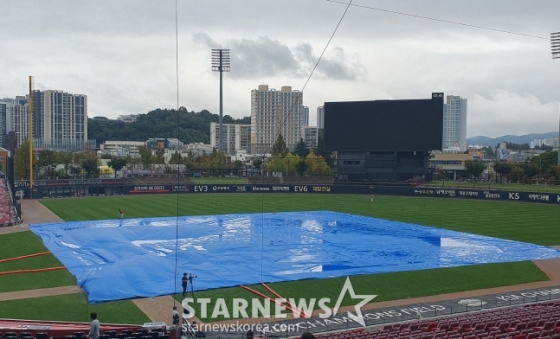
x,y
516,139
187,126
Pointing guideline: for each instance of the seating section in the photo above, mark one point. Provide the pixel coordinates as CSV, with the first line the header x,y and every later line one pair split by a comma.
x,y
8,214
536,321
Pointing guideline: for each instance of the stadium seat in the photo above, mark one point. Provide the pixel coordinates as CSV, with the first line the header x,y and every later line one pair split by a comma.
x,y
42,335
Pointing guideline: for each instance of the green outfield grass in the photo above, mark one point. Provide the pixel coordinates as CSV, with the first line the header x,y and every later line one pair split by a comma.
x,y
24,243
72,307
529,222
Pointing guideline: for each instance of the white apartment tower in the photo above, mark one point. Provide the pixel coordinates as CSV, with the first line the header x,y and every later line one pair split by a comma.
x,y
320,117
16,117
273,113
237,137
455,124
60,120
305,116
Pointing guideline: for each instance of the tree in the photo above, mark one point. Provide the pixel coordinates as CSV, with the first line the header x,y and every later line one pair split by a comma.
x,y
279,148
301,148
474,168
132,162
46,161
91,168
545,160
146,158
554,172
285,165
502,168
65,158
21,160
158,157
257,163
117,164
217,161
175,158
488,153
516,174
238,164
317,165
531,169
301,167
89,163
75,171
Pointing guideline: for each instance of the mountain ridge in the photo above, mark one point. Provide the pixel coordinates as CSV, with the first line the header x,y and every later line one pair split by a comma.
x,y
482,140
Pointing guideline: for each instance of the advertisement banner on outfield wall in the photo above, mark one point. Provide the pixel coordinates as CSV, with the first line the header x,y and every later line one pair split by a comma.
x,y
23,191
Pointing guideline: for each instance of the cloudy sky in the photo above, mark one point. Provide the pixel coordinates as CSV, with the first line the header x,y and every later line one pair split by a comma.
x,y
122,54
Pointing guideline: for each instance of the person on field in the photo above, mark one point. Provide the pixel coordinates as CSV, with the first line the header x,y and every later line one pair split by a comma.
x,y
184,283
121,213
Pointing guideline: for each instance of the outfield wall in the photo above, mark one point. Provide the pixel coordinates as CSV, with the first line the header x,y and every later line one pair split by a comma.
x,y
86,188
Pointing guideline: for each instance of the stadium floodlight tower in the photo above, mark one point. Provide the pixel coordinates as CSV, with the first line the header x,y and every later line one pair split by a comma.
x,y
555,49
555,45
221,63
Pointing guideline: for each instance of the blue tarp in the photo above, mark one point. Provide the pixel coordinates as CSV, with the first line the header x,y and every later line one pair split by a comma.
x,y
121,259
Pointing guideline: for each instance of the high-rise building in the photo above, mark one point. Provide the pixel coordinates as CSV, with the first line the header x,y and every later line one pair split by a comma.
x,y
237,137
3,123
305,116
273,113
320,117
59,120
16,117
310,135
454,124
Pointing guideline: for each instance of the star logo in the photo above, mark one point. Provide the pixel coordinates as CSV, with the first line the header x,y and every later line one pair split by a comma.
x,y
366,298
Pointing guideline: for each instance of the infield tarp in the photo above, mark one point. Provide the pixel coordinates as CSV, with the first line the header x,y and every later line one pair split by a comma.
x,y
121,259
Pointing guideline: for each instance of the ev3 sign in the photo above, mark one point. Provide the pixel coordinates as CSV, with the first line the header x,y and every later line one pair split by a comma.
x,y
301,308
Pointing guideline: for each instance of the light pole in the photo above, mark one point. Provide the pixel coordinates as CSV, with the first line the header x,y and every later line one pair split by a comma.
x,y
555,45
221,63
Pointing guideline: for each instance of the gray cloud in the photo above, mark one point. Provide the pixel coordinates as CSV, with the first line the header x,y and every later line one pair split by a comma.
x,y
265,57
122,54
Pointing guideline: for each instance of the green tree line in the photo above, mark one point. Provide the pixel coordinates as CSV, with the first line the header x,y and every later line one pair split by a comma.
x,y
186,126
541,167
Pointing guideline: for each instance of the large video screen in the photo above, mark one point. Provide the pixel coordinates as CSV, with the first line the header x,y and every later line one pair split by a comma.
x,y
384,125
